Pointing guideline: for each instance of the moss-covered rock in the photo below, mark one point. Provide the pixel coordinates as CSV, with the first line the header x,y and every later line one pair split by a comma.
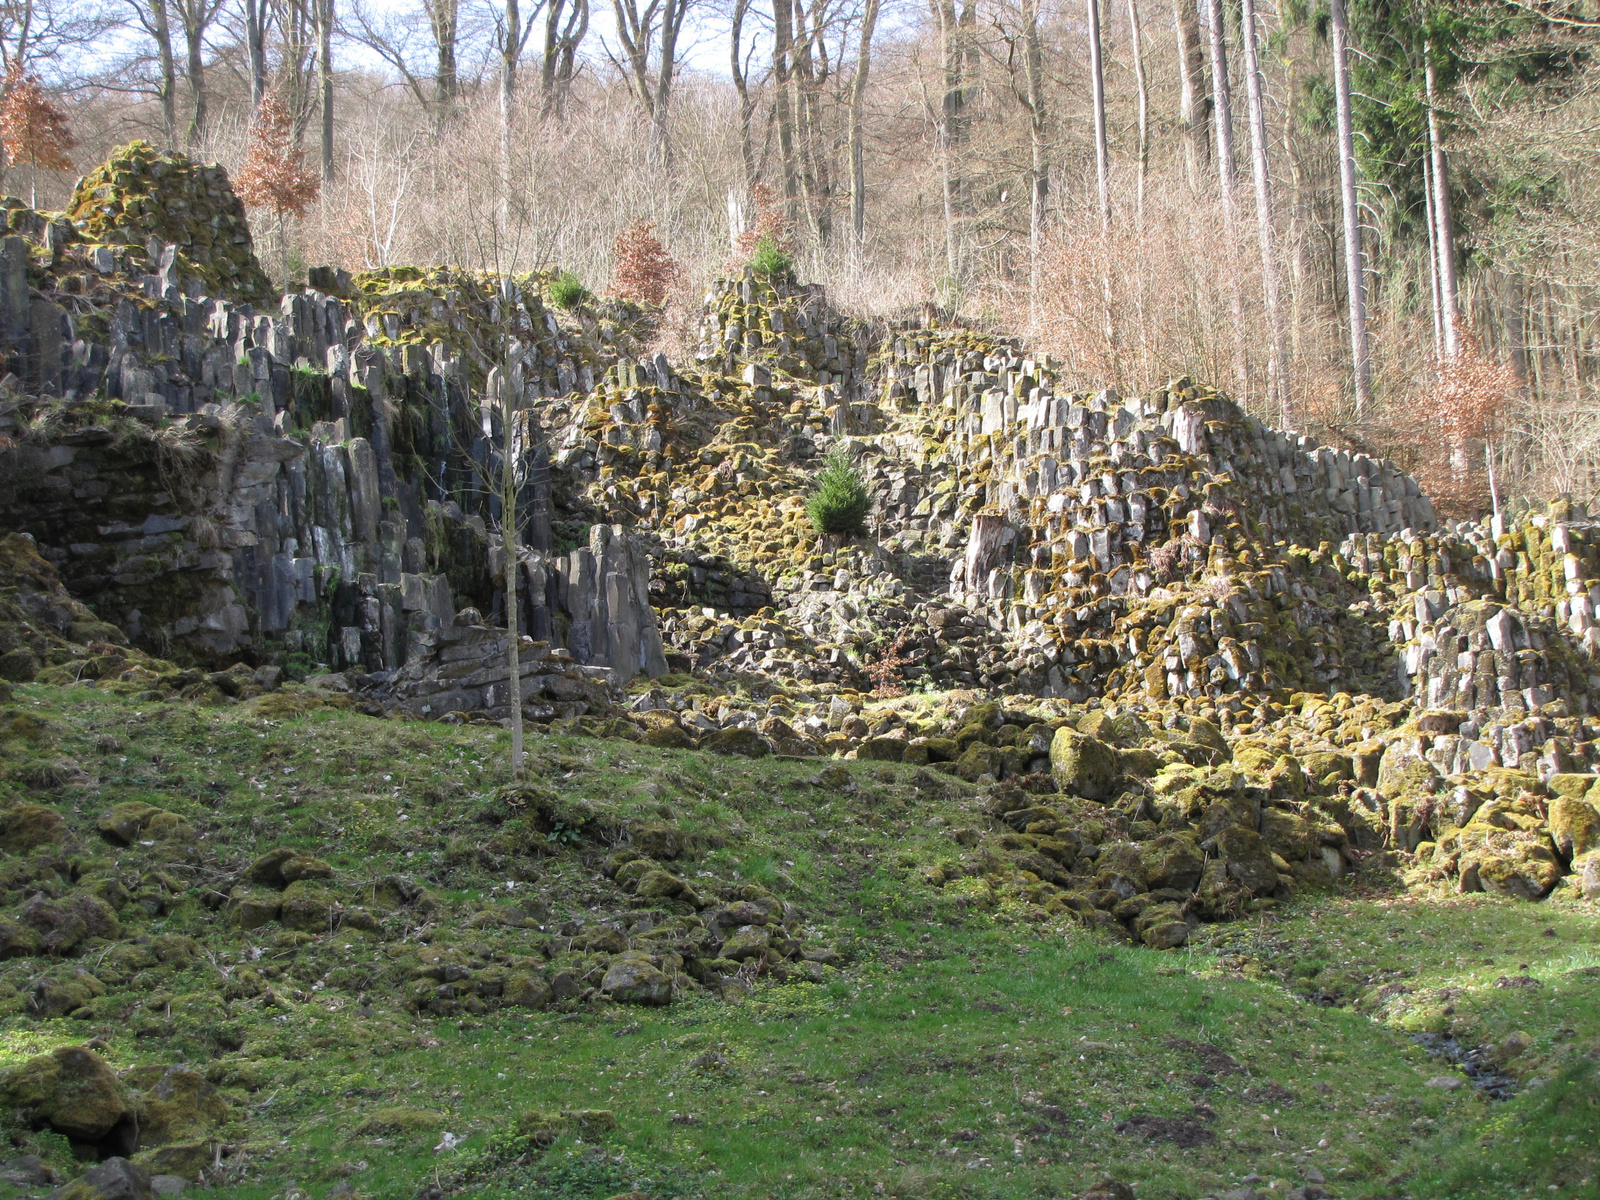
x,y
175,1104
72,1090
25,827
633,979
745,742
1249,859
141,192
1083,765
1574,826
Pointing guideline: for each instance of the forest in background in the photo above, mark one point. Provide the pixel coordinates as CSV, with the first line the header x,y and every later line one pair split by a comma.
x,y
1373,224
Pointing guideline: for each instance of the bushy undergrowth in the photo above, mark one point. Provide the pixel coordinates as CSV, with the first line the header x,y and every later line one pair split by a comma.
x,y
566,291
771,260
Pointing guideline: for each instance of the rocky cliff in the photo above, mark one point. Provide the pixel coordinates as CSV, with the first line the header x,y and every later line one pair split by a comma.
x,y
1268,625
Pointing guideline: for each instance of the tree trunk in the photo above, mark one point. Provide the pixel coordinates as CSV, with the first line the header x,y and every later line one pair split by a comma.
x,y
858,94
783,102
194,40
1433,256
1444,226
162,31
1355,280
562,38
672,17
945,129
807,120
1277,356
512,39
1097,85
325,73
283,252
255,40
444,21
1193,103
1222,97
741,85
1038,167
1142,85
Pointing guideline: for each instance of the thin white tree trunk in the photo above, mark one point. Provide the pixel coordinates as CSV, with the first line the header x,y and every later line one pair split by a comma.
x,y
1143,88
1222,95
1277,356
1039,174
858,93
1355,279
1444,226
1097,81
1433,255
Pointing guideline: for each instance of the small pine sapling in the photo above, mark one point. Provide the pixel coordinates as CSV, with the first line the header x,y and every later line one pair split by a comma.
x,y
840,501
767,245
643,269
566,291
274,176
32,129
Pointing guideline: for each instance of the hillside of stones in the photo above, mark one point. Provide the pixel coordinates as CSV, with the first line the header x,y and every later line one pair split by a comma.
x,y
1257,659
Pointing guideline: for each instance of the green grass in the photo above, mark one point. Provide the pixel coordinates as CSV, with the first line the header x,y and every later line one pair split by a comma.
x,y
966,1049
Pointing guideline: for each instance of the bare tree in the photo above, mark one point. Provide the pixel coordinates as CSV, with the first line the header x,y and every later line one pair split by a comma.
x,y
649,37
1355,279
1277,354
1097,85
196,16
1194,104
1227,180
40,31
325,21
512,30
858,96
257,19
393,37
739,60
783,101
566,23
152,17
1143,87
1443,224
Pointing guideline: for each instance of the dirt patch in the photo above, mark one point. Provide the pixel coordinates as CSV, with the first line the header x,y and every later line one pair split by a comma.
x,y
1213,1059
1183,1132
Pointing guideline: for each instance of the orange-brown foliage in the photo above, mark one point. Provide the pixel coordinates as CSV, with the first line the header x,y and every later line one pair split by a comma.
x,y
273,175
769,222
642,269
1451,423
33,129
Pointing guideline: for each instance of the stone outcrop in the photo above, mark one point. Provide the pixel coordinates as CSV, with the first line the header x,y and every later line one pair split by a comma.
x,y
318,488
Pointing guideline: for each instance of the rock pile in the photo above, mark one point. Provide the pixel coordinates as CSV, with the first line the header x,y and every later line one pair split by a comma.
x,y
141,194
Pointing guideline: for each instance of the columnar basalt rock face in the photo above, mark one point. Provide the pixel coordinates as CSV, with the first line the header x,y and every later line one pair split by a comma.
x,y
1268,624
314,486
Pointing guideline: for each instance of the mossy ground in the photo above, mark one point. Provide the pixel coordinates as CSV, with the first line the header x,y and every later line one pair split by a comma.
x,y
962,1050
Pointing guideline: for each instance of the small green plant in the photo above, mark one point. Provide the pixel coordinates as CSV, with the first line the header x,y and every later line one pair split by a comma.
x,y
563,835
566,291
840,500
771,260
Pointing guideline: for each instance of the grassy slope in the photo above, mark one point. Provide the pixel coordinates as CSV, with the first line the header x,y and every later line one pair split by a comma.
x,y
965,1052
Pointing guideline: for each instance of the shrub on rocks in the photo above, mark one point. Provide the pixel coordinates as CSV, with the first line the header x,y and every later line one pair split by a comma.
x,y
839,500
